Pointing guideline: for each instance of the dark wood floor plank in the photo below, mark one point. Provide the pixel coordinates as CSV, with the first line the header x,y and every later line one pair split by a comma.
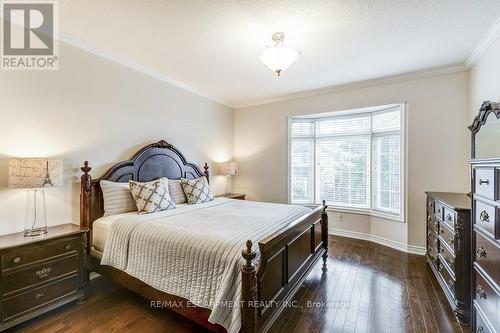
x,y
385,291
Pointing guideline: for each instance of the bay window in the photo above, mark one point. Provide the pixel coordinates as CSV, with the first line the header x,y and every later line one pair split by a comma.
x,y
353,160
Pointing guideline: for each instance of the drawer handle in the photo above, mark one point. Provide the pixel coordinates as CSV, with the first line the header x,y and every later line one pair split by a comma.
x,y
451,240
441,250
44,272
484,181
67,247
448,217
441,231
480,293
451,284
480,329
439,210
39,295
484,217
17,260
481,252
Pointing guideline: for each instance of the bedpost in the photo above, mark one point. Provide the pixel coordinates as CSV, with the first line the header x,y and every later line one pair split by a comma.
x,y
85,196
324,232
248,291
206,170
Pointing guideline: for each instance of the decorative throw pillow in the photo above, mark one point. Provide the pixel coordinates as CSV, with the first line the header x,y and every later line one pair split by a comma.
x,y
117,198
176,192
151,197
196,190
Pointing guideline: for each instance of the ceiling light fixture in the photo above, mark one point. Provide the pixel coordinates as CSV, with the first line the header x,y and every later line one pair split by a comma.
x,y
278,57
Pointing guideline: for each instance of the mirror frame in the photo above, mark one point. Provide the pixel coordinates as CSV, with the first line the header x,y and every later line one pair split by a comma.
x,y
486,108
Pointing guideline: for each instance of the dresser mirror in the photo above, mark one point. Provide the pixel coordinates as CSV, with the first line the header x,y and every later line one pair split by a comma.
x,y
485,142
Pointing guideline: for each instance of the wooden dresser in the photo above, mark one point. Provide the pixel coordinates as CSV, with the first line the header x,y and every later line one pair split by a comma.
x,y
448,248
485,164
40,273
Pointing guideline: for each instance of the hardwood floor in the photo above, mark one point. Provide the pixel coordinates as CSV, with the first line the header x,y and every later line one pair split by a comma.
x,y
366,288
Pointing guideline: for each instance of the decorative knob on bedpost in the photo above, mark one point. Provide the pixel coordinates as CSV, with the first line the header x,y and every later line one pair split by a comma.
x,y
248,290
85,191
206,170
324,232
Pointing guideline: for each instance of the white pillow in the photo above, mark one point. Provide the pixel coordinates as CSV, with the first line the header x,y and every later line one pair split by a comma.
x,y
117,198
176,191
151,197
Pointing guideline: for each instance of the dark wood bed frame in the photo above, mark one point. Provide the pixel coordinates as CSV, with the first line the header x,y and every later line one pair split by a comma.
x,y
286,257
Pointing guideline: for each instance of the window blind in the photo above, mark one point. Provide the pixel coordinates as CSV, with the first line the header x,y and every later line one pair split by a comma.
x,y
350,161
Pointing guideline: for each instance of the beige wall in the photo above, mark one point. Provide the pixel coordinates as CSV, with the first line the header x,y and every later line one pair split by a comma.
x,y
98,110
485,79
437,140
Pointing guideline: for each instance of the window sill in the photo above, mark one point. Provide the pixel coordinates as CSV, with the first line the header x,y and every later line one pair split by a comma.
x,y
360,211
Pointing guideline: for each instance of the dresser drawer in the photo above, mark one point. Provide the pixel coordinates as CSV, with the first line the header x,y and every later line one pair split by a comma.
x,y
481,326
486,183
439,210
42,296
488,300
44,251
449,217
488,256
447,236
447,278
447,256
15,280
486,217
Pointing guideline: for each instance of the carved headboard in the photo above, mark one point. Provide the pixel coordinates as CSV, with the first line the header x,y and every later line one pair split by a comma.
x,y
156,160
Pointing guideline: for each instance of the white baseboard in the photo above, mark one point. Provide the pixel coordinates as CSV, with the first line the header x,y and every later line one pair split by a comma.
x,y
419,250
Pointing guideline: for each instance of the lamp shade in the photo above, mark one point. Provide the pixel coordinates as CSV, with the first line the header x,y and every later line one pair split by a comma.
x,y
35,172
228,169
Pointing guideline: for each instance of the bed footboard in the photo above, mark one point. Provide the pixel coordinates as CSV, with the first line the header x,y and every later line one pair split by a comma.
x,y
286,258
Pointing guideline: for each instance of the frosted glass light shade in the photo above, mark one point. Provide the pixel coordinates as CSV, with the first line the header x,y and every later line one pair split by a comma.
x,y
278,58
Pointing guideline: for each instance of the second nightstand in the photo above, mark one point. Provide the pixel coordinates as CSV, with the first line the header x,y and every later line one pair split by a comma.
x,y
238,196
40,273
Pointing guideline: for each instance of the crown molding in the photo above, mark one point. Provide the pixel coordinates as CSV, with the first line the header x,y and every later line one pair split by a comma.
x,y
425,73
485,42
78,43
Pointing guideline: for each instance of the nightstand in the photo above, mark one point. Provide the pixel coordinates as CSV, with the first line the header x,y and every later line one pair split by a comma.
x,y
238,196
39,274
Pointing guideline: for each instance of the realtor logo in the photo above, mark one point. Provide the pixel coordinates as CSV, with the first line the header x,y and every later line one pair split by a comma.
x,y
28,36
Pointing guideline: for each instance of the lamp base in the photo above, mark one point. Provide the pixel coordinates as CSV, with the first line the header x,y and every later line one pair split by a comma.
x,y
36,219
35,232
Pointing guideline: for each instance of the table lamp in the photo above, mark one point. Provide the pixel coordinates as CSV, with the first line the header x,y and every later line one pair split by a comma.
x,y
228,169
34,174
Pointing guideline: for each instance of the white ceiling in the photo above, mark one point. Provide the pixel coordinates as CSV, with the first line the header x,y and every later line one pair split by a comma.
x,y
214,46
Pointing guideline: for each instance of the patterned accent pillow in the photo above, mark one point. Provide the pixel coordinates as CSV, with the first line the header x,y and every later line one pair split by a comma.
x,y
197,190
151,197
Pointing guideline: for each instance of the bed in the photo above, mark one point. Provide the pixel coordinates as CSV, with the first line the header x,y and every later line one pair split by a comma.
x,y
201,260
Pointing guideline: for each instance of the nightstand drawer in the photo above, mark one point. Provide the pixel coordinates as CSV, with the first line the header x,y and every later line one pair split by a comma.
x,y
30,276
42,296
34,254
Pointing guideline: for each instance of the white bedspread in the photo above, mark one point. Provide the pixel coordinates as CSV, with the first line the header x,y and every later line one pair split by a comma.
x,y
194,251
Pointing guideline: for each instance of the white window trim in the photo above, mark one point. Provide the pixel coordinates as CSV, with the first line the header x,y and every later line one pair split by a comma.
x,y
403,165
